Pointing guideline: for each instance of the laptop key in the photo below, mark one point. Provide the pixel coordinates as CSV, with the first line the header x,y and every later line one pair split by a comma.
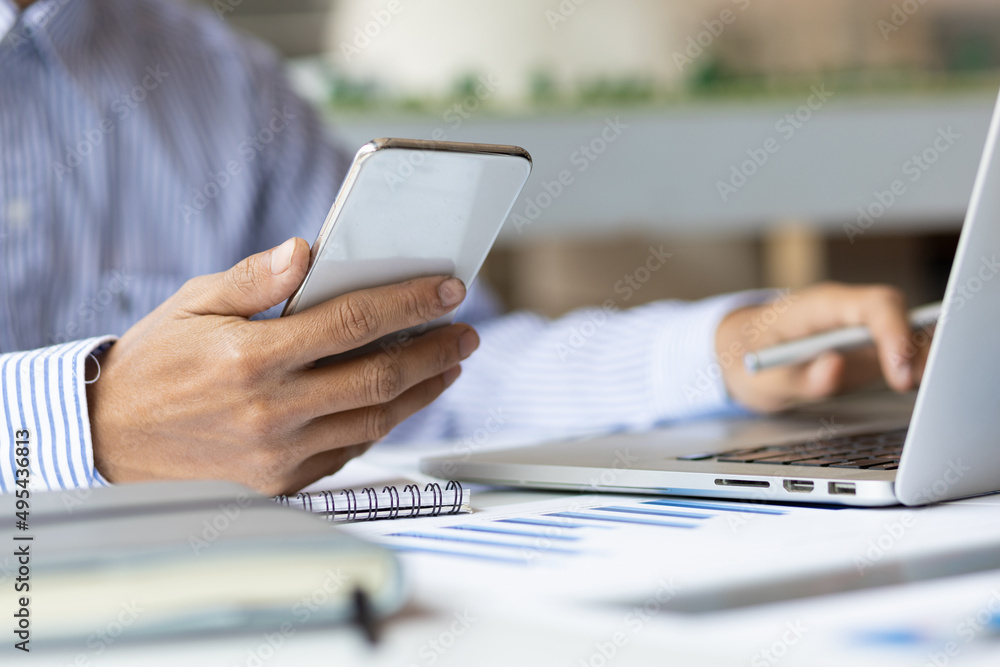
x,y
793,457
747,458
741,450
821,462
860,463
841,449
871,463
885,466
863,451
891,451
696,457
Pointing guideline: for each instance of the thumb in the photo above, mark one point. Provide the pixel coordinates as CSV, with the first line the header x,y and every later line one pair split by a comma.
x,y
255,284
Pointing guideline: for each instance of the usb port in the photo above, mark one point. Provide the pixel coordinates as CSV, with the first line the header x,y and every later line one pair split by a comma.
x,y
842,489
798,485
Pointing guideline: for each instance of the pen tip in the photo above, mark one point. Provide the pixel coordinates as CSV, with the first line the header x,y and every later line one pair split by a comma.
x,y
751,362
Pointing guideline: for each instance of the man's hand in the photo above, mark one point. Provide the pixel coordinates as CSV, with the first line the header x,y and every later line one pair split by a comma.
x,y
197,391
899,354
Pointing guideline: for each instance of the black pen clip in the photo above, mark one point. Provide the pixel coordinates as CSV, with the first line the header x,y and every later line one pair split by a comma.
x,y
364,616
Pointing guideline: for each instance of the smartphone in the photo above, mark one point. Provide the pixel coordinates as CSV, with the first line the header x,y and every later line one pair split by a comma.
x,y
410,208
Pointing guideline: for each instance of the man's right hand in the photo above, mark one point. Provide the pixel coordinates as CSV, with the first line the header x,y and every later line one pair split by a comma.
x,y
196,390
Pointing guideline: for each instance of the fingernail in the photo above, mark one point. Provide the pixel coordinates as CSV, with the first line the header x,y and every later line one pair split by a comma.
x,y
451,292
281,257
451,375
468,343
904,374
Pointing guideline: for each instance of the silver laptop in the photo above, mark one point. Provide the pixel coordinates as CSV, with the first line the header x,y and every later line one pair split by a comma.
x,y
865,450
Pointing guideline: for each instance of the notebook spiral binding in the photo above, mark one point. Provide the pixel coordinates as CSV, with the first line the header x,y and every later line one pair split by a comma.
x,y
347,505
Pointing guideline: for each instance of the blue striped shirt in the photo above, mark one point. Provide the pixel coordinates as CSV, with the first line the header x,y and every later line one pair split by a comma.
x,y
143,143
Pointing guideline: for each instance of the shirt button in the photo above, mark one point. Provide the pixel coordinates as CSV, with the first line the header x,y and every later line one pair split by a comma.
x,y
17,214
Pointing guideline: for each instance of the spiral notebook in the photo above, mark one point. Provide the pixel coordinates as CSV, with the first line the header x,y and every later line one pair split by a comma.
x,y
391,503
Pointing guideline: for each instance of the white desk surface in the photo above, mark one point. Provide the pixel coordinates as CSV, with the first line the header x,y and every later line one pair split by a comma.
x,y
441,625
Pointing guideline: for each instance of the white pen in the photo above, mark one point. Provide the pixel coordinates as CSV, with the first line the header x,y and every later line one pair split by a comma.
x,y
840,340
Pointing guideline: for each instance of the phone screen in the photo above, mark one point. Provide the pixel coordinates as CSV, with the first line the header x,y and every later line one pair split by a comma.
x,y
409,213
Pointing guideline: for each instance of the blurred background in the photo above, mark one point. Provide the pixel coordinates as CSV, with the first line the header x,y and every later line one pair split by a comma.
x,y
759,142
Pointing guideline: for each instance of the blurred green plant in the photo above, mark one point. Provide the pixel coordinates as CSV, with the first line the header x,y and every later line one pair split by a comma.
x,y
543,88
349,93
713,81
606,91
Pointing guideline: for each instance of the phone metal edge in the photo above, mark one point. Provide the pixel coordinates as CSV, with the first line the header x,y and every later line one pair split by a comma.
x,y
452,146
338,204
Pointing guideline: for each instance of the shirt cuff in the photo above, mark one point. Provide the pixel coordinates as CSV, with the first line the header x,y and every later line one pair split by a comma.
x,y
45,393
689,382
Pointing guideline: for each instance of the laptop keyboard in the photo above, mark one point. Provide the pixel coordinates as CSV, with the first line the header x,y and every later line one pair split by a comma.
x,y
868,451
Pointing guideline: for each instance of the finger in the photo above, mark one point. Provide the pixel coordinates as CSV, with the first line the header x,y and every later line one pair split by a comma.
x,y
880,308
321,465
380,377
353,320
922,340
884,313
252,286
779,388
821,378
374,422
861,369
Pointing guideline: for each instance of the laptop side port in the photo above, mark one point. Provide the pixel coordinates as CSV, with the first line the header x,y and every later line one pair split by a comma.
x,y
842,489
798,485
743,482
